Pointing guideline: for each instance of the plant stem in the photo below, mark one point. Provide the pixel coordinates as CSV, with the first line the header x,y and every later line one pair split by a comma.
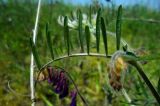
x,y
32,58
142,20
76,55
145,78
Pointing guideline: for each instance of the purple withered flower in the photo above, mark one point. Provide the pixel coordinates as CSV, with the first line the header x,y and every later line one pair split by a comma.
x,y
73,96
59,81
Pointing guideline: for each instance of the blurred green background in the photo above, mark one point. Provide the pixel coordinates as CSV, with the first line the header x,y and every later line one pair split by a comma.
x,y
140,29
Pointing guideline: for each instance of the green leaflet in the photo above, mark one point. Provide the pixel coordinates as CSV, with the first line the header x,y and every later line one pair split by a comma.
x,y
118,27
87,33
48,37
98,29
104,34
35,54
66,34
80,29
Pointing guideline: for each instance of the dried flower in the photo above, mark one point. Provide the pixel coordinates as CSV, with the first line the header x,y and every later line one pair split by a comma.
x,y
116,67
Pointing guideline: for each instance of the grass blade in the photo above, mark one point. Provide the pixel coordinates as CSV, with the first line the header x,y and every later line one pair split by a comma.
x,y
98,29
104,34
49,41
66,34
118,27
35,54
87,33
80,29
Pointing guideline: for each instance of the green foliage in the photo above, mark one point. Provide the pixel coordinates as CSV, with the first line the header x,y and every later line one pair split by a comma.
x,y
146,80
103,27
17,21
66,34
49,41
98,29
35,54
80,29
118,26
87,34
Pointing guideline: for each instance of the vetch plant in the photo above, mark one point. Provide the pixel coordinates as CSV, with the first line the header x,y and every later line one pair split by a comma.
x,y
59,81
119,61
73,23
58,78
79,20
